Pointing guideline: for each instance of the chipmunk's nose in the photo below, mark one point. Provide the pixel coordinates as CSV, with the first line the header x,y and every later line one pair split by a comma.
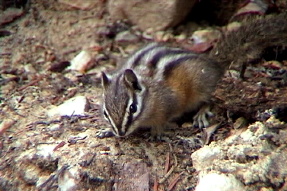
x,y
121,133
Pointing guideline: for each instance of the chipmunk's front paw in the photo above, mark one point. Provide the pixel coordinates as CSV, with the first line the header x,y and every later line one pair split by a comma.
x,y
104,133
155,135
155,138
159,138
201,118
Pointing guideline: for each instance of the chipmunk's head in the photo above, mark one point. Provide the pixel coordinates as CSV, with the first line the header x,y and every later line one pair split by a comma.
x,y
123,101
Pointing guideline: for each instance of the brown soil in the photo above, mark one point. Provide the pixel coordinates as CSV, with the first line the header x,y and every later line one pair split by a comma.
x,y
33,77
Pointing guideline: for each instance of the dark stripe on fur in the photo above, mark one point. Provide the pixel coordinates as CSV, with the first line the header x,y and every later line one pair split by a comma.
x,y
162,53
130,117
174,63
142,54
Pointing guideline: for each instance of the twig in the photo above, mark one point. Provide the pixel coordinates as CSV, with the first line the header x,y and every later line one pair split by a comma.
x,y
155,185
166,175
174,181
167,163
170,171
50,181
61,144
88,162
30,83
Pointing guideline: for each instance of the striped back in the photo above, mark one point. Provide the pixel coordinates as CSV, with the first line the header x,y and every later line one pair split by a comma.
x,y
155,60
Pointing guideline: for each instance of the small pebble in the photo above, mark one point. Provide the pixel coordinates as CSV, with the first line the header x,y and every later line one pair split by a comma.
x,y
74,106
82,61
126,36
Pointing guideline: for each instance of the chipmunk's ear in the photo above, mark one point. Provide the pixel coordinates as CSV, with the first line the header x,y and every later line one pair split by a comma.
x,y
131,80
105,80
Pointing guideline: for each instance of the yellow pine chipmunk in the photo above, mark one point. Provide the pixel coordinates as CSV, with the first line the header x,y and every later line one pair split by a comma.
x,y
157,84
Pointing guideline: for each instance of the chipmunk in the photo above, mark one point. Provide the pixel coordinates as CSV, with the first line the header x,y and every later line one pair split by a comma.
x,y
157,84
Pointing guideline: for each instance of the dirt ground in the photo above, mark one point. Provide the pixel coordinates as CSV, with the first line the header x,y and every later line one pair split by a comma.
x,y
42,152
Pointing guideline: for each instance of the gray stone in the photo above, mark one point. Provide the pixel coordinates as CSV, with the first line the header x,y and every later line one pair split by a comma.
x,y
156,14
126,36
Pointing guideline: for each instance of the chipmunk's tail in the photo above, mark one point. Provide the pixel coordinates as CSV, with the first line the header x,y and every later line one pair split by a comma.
x,y
250,40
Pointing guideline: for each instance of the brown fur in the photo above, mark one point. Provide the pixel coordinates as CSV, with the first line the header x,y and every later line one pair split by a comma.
x,y
187,84
250,40
184,88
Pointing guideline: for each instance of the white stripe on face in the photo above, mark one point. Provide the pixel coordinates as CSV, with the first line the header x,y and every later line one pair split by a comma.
x,y
106,115
137,99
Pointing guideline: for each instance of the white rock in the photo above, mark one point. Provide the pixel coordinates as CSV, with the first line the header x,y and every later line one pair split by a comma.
x,y
205,157
245,155
81,4
82,61
74,106
68,181
218,182
31,174
248,136
54,127
126,36
207,35
46,151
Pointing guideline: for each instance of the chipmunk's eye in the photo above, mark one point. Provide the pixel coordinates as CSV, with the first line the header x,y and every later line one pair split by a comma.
x,y
133,108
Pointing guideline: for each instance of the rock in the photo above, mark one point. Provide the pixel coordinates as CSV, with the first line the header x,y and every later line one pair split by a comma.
x,y
203,40
59,66
181,37
74,106
5,33
112,29
6,124
10,15
156,14
207,35
250,155
126,36
163,36
31,175
54,127
81,4
45,151
258,7
69,179
218,182
205,157
82,61
240,123
29,69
